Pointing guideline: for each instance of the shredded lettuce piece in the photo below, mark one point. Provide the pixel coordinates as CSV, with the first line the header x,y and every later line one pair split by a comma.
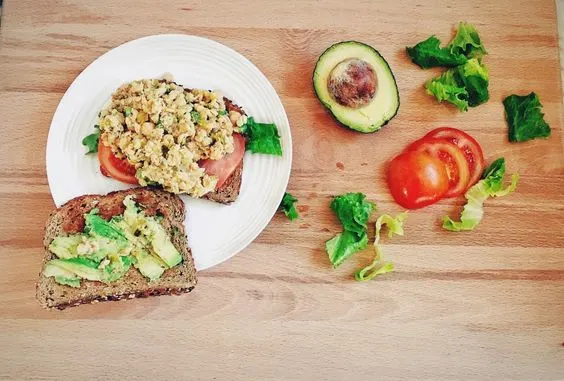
x,y
467,42
447,88
343,245
287,205
463,86
525,118
262,137
428,53
353,211
378,266
491,185
465,45
475,77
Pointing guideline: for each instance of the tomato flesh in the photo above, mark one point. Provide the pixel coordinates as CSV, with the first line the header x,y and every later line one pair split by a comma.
x,y
417,179
224,167
469,146
453,159
114,167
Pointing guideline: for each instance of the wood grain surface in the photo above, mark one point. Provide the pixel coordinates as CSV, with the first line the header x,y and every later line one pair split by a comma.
x,y
483,305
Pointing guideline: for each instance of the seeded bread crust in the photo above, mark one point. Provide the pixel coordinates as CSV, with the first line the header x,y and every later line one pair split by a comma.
x,y
69,219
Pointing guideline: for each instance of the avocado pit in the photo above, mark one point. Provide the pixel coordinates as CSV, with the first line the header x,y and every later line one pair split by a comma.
x,y
352,83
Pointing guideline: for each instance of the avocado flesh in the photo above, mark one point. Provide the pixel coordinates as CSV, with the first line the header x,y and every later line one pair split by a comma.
x,y
65,247
148,265
61,276
383,106
162,245
78,269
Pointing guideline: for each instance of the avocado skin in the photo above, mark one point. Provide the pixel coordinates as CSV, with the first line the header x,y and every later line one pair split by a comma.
x,y
328,106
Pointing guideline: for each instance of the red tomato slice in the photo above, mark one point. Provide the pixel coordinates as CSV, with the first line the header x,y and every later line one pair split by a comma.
x,y
417,179
453,158
113,167
469,146
224,167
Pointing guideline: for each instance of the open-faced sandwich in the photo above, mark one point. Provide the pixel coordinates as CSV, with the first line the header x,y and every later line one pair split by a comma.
x,y
122,245
190,141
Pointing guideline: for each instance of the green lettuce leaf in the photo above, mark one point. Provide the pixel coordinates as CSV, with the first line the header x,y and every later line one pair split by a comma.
x,y
428,54
353,211
525,118
91,141
345,244
491,185
463,86
394,224
371,271
446,88
262,137
474,76
288,207
378,266
467,42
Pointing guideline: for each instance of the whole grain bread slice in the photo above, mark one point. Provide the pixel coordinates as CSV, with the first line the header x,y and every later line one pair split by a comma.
x,y
69,219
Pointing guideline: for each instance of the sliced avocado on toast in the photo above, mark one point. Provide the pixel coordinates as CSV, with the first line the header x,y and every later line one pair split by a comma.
x,y
77,273
355,83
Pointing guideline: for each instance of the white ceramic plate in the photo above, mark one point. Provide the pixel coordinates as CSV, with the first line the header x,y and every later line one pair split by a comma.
x,y
215,232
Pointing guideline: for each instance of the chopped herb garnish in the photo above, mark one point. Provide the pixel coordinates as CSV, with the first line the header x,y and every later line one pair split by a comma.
x,y
195,115
91,141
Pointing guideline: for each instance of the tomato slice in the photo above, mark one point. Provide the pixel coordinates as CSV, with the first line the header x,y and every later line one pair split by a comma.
x,y
112,166
224,167
469,146
453,159
417,179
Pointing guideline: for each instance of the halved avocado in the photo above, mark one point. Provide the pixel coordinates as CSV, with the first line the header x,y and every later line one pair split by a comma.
x,y
356,84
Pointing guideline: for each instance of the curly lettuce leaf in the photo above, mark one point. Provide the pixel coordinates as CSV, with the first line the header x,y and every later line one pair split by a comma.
x,y
373,270
474,76
262,137
525,118
288,207
378,266
491,185
353,211
345,244
467,42
91,141
428,53
463,86
446,88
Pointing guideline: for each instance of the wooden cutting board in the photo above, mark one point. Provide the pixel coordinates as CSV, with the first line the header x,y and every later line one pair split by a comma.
x,y
487,304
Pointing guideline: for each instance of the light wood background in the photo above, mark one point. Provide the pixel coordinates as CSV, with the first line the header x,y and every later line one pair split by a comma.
x,y
485,305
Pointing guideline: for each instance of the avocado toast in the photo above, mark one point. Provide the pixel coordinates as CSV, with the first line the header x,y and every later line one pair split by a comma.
x,y
60,285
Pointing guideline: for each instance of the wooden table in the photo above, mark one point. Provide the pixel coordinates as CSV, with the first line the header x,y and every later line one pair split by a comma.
x,y
485,305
